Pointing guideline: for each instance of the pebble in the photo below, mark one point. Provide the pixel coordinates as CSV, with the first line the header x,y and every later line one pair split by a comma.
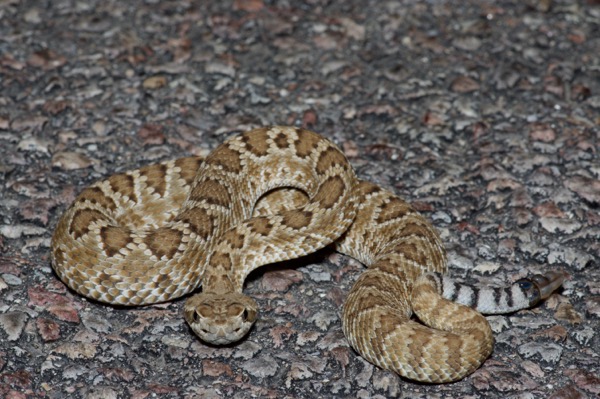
x,y
12,324
554,225
587,188
486,252
18,230
11,279
317,274
469,43
261,366
176,341
323,319
584,336
593,306
154,82
548,352
67,160
441,216
34,144
573,257
96,323
33,15
48,329
77,350
459,261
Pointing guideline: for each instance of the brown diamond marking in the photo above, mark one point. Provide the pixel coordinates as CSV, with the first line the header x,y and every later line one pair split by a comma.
x,y
199,220
82,220
297,219
453,344
235,239
114,238
260,225
373,278
189,167
480,335
219,279
164,242
394,209
221,259
330,191
256,141
422,342
155,175
212,192
365,188
414,230
306,143
59,256
411,252
96,196
227,158
281,141
386,326
124,185
330,158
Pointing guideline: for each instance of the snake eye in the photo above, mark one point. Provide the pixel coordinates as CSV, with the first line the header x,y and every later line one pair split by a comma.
x,y
245,315
196,317
249,315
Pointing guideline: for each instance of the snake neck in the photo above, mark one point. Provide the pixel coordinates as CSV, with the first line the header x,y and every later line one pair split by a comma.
x,y
220,277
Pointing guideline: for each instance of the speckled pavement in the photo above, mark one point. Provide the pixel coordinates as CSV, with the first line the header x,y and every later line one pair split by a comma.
x,y
485,115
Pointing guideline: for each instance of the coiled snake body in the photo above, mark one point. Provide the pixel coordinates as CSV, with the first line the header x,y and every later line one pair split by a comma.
x,y
272,194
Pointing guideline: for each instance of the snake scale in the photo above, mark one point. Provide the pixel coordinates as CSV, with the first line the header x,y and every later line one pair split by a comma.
x,y
271,194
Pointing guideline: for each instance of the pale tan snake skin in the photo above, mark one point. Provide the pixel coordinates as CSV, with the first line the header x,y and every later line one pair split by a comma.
x,y
162,231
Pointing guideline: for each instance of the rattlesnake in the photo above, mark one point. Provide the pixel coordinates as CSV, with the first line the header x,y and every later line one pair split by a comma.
x,y
271,194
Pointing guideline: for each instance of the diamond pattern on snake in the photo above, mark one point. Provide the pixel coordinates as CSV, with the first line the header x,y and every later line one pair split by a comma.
x,y
272,194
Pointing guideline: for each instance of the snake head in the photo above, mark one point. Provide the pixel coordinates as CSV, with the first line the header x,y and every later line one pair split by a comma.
x,y
220,319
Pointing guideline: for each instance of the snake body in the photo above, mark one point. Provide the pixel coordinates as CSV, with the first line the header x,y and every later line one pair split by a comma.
x,y
271,194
